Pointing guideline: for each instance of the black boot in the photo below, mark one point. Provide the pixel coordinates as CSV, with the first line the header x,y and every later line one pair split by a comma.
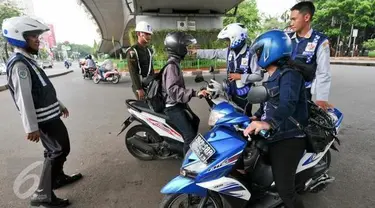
x,y
60,179
44,196
63,180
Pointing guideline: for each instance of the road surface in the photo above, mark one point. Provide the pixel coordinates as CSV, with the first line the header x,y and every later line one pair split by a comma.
x,y
57,68
113,178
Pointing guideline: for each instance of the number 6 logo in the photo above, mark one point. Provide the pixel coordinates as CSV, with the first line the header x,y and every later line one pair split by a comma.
x,y
23,177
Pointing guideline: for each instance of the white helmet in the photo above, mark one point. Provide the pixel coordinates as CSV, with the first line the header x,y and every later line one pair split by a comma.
x,y
236,33
14,29
143,27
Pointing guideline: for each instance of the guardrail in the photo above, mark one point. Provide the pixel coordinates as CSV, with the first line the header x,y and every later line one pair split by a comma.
x,y
185,64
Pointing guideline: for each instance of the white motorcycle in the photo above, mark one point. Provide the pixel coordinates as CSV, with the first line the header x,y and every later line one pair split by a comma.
x,y
156,137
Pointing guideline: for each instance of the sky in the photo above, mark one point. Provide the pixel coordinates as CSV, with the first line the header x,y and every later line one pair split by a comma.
x,y
72,24
274,7
69,20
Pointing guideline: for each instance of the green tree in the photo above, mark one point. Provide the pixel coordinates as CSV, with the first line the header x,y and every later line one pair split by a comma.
x,y
43,54
369,44
360,13
272,23
95,49
247,14
6,11
82,49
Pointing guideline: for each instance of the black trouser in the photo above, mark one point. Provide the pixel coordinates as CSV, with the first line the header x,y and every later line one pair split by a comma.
x,y
184,123
55,139
241,101
285,156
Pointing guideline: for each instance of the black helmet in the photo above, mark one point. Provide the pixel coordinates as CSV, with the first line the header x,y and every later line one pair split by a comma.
x,y
176,43
88,57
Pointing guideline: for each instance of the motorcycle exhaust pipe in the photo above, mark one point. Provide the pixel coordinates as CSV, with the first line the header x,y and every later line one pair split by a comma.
x,y
141,145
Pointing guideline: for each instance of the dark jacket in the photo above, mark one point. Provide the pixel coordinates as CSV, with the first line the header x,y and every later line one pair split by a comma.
x,y
287,98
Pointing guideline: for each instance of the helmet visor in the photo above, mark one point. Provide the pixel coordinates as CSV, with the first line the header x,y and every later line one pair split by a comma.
x,y
188,40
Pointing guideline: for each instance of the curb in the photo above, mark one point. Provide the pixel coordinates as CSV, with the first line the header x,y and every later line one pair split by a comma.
x,y
353,63
5,87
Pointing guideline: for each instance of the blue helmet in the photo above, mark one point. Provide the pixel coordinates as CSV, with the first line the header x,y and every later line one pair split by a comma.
x,y
271,47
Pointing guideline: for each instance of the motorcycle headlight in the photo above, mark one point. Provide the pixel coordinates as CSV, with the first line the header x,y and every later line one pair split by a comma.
x,y
214,117
193,170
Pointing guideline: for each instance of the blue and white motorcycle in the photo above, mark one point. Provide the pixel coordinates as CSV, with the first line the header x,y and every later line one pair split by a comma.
x,y
208,176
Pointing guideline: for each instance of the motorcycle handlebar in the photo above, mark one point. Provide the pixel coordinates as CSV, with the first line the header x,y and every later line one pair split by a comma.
x,y
208,96
264,133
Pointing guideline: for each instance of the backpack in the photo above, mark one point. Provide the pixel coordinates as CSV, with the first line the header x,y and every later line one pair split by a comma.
x,y
320,129
306,70
153,90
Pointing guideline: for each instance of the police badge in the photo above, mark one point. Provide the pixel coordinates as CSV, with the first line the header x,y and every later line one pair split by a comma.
x,y
22,73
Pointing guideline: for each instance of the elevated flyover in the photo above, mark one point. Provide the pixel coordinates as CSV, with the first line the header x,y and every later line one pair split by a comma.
x,y
115,17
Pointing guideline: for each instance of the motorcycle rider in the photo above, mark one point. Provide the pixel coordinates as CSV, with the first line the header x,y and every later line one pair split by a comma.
x,y
242,68
173,84
40,110
139,57
66,63
107,65
315,46
287,101
89,63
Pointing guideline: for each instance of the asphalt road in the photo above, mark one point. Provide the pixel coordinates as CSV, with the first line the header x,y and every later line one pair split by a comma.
x,y
57,68
113,178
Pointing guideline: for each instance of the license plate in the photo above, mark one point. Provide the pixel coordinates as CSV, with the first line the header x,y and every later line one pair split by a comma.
x,y
202,148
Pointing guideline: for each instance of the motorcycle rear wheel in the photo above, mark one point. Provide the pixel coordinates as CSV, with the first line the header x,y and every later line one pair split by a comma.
x,y
181,201
150,137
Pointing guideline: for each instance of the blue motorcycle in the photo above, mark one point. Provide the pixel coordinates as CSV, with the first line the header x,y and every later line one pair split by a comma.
x,y
208,176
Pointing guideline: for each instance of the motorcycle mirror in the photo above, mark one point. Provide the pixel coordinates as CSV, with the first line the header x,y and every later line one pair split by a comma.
x,y
257,94
199,78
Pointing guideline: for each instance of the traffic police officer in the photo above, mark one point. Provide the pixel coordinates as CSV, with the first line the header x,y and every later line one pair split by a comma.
x,y
139,57
35,98
242,67
313,46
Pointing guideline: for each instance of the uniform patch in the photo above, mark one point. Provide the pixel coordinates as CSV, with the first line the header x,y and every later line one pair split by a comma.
x,y
310,47
132,54
244,61
22,73
230,56
325,43
325,46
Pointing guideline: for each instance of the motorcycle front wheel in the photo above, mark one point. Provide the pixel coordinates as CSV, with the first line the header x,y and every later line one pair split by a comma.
x,y
115,79
190,201
96,79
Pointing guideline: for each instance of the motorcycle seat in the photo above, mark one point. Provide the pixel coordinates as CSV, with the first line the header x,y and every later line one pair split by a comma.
x,y
143,106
